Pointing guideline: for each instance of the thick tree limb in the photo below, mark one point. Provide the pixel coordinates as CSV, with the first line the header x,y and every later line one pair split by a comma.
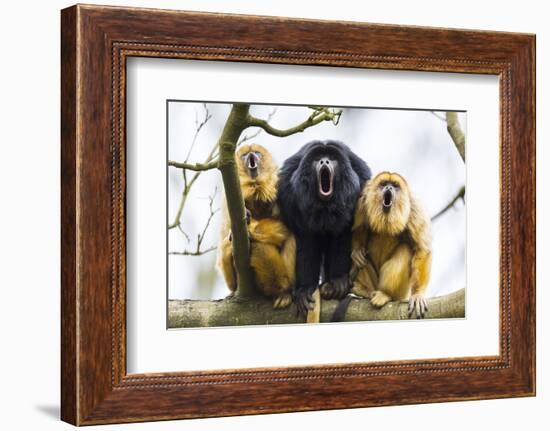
x,y
457,135
227,143
237,311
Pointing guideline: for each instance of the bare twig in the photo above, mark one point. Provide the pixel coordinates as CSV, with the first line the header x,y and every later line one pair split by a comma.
x,y
246,138
200,237
438,116
319,115
459,195
188,184
199,126
192,253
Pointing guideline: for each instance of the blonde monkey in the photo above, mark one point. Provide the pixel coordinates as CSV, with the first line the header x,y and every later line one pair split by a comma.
x,y
391,245
272,246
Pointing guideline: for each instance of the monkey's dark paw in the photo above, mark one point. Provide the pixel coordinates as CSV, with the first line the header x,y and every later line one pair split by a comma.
x,y
248,215
418,306
303,299
337,288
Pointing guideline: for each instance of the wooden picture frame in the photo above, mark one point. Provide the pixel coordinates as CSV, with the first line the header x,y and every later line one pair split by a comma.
x,y
95,43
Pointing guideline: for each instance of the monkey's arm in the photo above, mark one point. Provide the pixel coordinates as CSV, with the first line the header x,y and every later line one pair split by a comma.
x,y
420,271
365,281
421,262
225,263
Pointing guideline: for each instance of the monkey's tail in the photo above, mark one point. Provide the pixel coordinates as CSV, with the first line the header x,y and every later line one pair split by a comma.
x,y
341,308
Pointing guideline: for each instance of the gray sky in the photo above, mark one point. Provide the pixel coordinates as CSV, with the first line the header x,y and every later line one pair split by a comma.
x,y
414,143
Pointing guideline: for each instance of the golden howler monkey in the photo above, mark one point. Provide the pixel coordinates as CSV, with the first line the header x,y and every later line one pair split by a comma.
x,y
391,244
272,246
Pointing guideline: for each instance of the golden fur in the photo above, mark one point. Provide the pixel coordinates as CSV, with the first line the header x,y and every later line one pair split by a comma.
x,y
272,246
391,247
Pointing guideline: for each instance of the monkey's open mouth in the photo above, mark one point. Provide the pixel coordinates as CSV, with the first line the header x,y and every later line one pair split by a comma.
x,y
325,179
252,164
387,199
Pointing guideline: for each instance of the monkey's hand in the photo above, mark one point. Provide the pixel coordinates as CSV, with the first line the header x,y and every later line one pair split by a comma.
x,y
417,305
303,298
248,215
359,257
337,288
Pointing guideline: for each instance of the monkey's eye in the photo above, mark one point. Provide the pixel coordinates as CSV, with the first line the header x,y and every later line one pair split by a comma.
x,y
396,186
258,154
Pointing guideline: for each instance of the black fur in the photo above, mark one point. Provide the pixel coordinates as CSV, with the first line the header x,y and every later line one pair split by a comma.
x,y
322,227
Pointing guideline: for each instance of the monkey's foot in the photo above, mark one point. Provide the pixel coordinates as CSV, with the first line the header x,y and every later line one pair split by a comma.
x,y
360,290
417,305
379,299
303,298
336,289
282,301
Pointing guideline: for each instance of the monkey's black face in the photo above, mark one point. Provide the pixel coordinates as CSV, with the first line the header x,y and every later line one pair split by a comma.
x,y
325,169
389,191
252,161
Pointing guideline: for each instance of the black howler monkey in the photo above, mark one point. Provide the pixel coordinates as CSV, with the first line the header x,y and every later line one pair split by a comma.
x,y
317,194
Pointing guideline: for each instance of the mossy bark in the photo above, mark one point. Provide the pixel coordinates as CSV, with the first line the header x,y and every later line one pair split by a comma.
x,y
234,126
238,311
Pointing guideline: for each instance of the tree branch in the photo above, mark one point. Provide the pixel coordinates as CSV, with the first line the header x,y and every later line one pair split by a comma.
x,y
187,187
236,311
194,166
457,135
198,128
318,116
193,253
246,138
460,195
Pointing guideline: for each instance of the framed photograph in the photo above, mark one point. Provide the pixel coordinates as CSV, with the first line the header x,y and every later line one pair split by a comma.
x,y
332,222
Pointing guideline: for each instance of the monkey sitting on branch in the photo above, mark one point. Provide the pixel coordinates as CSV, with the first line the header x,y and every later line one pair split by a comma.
x,y
391,245
272,246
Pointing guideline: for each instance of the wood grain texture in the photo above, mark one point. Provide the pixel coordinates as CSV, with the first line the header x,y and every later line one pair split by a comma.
x,y
96,41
